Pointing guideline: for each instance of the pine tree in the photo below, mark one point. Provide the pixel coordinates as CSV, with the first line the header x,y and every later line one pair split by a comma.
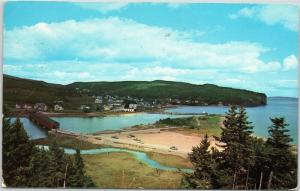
x,y
203,166
77,177
25,165
235,161
17,151
258,176
283,163
57,164
40,169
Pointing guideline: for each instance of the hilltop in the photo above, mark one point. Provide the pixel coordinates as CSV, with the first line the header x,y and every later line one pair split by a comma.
x,y
19,90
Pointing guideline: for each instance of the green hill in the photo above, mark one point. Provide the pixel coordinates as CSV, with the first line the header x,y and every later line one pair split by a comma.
x,y
18,90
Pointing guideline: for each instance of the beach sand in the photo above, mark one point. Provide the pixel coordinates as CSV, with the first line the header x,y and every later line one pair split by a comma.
x,y
153,140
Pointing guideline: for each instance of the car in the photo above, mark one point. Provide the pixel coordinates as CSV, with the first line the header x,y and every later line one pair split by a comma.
x,y
173,148
136,139
130,136
114,137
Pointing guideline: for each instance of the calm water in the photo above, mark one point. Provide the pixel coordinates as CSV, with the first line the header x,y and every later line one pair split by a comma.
x,y
277,107
141,156
32,131
87,125
259,116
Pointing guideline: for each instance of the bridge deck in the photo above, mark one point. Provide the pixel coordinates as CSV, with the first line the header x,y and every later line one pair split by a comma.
x,y
43,121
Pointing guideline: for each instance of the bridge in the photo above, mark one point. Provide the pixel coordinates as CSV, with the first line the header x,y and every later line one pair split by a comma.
x,y
43,121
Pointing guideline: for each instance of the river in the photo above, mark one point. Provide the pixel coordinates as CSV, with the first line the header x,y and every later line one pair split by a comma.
x,y
141,156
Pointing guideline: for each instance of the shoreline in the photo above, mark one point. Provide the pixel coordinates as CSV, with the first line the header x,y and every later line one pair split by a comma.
x,y
158,140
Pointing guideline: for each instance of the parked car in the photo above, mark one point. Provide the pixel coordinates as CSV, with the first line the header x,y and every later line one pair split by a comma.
x,y
130,136
173,148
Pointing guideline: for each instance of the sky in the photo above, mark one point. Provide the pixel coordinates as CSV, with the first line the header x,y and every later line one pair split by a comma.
x,y
246,46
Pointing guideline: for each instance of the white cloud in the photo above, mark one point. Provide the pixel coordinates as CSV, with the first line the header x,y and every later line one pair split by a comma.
x,y
285,83
119,49
176,5
168,73
102,7
286,15
290,63
117,40
244,12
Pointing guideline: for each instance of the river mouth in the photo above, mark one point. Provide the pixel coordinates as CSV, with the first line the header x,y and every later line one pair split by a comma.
x,y
141,156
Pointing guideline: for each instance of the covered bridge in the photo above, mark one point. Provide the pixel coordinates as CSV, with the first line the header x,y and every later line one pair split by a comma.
x,y
43,121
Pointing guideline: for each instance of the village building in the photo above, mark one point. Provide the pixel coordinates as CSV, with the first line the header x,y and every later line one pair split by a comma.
x,y
24,106
106,107
58,107
130,107
58,102
98,101
40,107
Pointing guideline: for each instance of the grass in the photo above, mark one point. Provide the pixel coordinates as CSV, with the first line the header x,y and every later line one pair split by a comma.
x,y
210,125
67,142
122,170
170,160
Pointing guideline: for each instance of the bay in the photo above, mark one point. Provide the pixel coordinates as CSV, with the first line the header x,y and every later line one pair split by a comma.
x,y
259,116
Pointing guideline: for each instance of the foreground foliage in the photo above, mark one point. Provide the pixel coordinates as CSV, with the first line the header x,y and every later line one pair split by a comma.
x,y
244,161
25,165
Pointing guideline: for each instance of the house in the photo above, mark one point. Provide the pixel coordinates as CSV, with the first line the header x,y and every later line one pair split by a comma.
x,y
23,106
58,107
27,106
58,102
99,97
85,108
18,106
98,101
40,107
118,108
130,107
106,107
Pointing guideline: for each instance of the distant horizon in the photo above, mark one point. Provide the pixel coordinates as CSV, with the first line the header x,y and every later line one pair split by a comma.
x,y
233,45
273,96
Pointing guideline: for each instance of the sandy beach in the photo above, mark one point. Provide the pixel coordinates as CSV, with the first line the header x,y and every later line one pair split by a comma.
x,y
158,140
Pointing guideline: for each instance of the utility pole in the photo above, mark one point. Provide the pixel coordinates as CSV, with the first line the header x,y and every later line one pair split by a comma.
x,y
270,180
66,175
261,175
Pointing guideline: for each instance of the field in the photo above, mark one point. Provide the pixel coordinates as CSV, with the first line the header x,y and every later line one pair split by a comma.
x,y
210,125
121,170
67,142
170,160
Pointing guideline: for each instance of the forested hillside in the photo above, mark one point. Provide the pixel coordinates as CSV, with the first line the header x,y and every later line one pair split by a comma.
x,y
24,90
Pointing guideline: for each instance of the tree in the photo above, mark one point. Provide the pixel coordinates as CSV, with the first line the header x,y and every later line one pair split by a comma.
x,y
40,169
17,151
25,165
57,164
78,178
283,163
203,166
235,161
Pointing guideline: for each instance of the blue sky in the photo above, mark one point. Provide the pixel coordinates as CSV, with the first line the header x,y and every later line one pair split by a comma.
x,y
246,46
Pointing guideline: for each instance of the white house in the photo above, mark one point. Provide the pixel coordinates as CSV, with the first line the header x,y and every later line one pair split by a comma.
x,y
58,107
130,107
98,101
40,107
